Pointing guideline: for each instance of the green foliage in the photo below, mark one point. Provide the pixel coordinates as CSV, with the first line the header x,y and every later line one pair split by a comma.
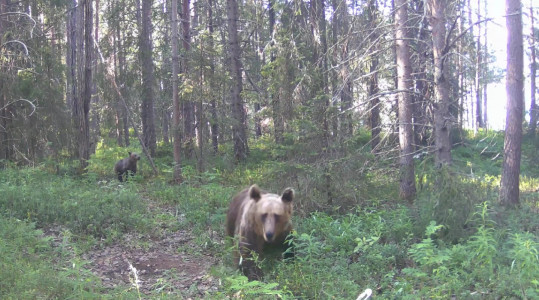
x,y
202,208
489,263
525,265
102,162
28,269
85,207
449,199
336,256
454,240
240,287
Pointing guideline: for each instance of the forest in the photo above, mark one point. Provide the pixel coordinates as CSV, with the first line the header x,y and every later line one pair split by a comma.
x,y
377,113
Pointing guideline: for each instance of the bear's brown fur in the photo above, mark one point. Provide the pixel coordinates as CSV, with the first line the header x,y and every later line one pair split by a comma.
x,y
260,221
127,164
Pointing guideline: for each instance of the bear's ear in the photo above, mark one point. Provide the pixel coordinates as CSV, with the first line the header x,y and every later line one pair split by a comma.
x,y
254,192
129,153
288,195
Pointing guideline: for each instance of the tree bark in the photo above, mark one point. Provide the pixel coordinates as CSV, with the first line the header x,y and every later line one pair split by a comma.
x,y
373,89
145,48
278,122
239,127
407,177
509,190
177,175
83,105
187,106
485,69
213,102
5,149
442,118
122,65
534,110
478,73
346,93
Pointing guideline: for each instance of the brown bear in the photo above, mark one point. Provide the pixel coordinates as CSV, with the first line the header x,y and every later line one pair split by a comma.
x,y
261,222
127,164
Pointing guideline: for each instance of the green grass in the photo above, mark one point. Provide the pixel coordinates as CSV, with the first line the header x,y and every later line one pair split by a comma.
x,y
84,206
454,240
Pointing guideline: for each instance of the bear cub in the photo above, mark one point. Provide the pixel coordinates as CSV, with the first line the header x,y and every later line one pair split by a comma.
x,y
261,222
127,164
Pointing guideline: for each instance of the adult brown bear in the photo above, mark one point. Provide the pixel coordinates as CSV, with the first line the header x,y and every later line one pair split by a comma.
x,y
127,164
261,222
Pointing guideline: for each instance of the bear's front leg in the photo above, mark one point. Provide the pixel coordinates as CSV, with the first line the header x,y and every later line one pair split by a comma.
x,y
248,264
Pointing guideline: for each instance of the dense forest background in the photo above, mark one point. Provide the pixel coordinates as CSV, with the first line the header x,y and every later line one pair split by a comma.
x,y
374,111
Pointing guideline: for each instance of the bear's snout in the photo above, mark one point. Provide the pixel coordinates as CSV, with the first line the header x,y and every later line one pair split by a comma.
x,y
269,236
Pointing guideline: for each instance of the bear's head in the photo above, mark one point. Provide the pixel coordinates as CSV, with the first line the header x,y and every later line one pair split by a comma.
x,y
273,213
133,156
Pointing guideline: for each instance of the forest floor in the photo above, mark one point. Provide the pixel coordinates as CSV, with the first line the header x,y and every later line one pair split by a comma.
x,y
170,263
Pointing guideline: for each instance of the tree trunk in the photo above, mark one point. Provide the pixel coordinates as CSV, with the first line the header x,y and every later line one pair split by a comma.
x,y
118,106
95,117
148,122
239,127
478,73
213,102
176,118
485,69
5,152
373,89
187,106
83,103
407,178
346,93
422,87
122,65
534,110
509,190
278,122
442,118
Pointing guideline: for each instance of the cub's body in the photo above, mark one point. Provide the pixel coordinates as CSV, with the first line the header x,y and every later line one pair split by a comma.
x,y
127,164
261,222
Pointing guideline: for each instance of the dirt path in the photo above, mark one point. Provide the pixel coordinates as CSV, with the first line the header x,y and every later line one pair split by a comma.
x,y
160,265
160,268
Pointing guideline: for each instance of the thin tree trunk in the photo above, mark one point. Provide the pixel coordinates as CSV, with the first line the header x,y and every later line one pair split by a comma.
x,y
485,69
213,102
239,127
407,178
187,106
442,118
176,120
478,73
509,189
148,122
461,72
5,152
373,89
118,107
421,86
122,65
347,80
83,105
534,110
95,118
278,122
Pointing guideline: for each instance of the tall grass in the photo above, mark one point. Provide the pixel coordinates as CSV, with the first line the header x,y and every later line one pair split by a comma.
x,y
99,209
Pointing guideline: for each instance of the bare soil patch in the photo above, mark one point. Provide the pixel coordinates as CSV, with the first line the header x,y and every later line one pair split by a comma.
x,y
159,266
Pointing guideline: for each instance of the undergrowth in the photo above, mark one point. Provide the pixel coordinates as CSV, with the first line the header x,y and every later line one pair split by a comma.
x,y
352,232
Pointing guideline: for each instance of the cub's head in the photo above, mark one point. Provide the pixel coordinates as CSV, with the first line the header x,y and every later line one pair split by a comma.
x,y
133,156
272,212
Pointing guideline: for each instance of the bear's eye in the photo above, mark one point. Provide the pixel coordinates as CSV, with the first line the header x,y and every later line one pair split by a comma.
x,y
264,216
277,217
